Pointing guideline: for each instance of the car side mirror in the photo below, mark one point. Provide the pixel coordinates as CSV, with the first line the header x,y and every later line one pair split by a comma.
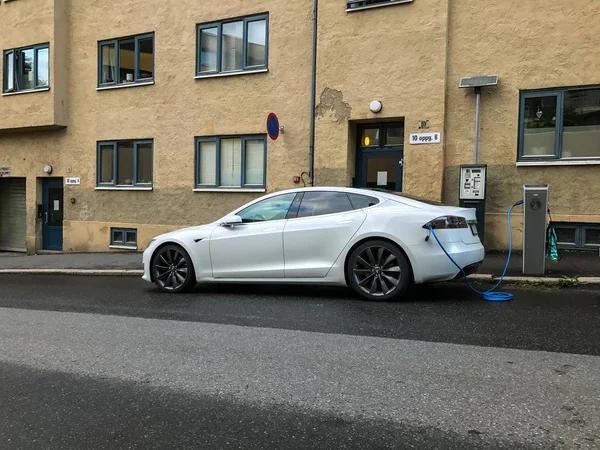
x,y
230,221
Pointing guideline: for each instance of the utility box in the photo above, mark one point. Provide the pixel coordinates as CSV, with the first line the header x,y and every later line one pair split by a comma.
x,y
535,223
472,192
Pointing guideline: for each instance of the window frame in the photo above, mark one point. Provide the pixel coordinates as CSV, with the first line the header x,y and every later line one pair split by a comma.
x,y
580,230
124,243
114,143
382,145
219,63
369,5
559,93
136,71
17,64
217,140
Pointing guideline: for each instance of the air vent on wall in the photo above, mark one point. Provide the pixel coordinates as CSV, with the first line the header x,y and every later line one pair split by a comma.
x,y
480,81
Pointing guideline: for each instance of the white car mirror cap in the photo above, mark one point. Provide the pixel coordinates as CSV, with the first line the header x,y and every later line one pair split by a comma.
x,y
230,221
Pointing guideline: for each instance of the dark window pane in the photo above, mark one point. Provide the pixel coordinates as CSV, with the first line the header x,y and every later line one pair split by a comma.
x,y
581,124
146,58
257,43
144,163
131,237
208,50
370,137
42,67
125,163
106,164
232,46
394,135
362,201
118,237
108,63
540,126
274,208
592,236
566,236
126,61
319,203
26,69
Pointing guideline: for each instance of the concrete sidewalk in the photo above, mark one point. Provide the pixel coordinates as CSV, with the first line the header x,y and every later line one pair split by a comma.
x,y
583,265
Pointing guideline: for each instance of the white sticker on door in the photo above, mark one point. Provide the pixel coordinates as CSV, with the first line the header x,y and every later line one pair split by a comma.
x,y
381,178
56,205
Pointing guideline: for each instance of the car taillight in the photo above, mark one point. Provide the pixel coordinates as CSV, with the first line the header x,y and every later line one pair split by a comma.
x,y
447,222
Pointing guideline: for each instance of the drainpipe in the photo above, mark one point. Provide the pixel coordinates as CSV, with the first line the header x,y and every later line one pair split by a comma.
x,y
313,89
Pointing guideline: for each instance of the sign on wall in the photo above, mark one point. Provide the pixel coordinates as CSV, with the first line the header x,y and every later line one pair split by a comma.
x,y
73,180
4,171
426,138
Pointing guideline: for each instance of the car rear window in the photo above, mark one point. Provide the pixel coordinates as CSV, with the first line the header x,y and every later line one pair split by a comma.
x,y
362,201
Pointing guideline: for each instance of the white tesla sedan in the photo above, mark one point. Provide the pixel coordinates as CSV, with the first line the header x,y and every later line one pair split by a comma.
x,y
376,242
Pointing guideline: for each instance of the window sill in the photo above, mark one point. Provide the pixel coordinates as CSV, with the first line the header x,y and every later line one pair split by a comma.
x,y
560,162
230,190
362,8
30,91
125,85
123,247
124,188
231,74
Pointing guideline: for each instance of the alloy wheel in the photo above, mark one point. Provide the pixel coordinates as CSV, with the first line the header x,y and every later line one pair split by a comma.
x,y
170,269
377,271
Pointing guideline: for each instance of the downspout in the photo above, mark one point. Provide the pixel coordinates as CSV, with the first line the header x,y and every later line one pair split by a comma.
x,y
313,94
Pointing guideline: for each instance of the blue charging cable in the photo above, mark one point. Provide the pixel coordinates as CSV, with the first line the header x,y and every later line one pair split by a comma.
x,y
489,295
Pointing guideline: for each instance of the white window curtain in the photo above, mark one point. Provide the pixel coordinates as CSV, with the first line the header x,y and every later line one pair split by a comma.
x,y
231,162
207,172
255,162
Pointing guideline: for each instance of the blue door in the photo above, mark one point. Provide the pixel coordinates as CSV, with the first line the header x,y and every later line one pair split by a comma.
x,y
52,214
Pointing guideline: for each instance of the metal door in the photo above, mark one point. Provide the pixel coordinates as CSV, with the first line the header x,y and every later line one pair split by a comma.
x,y
13,214
52,214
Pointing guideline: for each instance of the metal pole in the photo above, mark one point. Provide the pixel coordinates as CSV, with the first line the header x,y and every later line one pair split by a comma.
x,y
477,117
313,94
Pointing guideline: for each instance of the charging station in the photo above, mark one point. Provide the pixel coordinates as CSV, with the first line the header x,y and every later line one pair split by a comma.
x,y
535,225
472,192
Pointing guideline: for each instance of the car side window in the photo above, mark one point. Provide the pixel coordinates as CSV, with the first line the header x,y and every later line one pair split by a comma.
x,y
362,201
274,208
320,203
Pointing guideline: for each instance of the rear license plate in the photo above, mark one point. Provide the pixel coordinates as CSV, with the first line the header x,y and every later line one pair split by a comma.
x,y
474,229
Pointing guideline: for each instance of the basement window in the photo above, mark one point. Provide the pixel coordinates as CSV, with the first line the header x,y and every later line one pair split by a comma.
x,y
358,5
123,238
577,236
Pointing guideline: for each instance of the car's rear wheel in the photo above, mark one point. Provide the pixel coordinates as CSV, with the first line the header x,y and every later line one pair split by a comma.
x,y
378,270
172,269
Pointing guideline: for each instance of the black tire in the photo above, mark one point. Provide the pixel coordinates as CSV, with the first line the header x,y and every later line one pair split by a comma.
x,y
378,271
172,269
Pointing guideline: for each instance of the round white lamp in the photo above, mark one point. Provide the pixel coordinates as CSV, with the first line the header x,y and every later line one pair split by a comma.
x,y
48,169
375,106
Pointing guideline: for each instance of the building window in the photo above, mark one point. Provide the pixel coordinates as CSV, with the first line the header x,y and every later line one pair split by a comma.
x,y
127,60
233,46
382,136
27,69
355,5
560,124
123,237
231,162
577,236
125,163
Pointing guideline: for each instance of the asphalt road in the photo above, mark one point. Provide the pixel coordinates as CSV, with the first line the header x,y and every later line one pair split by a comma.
x,y
91,362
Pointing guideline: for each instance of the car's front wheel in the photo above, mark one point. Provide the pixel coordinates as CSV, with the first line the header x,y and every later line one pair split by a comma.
x,y
172,269
378,270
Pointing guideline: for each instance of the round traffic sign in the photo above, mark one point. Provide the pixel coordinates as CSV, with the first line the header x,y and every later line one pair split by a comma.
x,y
273,126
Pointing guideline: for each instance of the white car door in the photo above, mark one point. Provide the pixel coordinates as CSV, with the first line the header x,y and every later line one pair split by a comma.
x,y
324,224
253,248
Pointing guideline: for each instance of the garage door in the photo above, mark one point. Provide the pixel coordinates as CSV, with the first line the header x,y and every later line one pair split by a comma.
x,y
12,214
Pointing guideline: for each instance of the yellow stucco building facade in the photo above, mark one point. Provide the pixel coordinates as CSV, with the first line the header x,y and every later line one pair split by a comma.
x,y
122,120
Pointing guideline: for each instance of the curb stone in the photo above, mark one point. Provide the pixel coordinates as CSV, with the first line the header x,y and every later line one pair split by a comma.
x,y
535,280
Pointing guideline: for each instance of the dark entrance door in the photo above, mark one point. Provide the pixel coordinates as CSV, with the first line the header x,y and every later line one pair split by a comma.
x,y
52,218
380,156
